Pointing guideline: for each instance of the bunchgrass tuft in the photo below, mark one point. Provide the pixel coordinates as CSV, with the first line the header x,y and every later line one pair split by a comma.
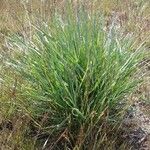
x,y
78,72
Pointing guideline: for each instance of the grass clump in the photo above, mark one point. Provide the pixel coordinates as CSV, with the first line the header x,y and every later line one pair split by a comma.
x,y
78,75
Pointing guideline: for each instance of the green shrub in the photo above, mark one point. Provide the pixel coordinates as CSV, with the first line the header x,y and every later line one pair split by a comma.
x,y
76,71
